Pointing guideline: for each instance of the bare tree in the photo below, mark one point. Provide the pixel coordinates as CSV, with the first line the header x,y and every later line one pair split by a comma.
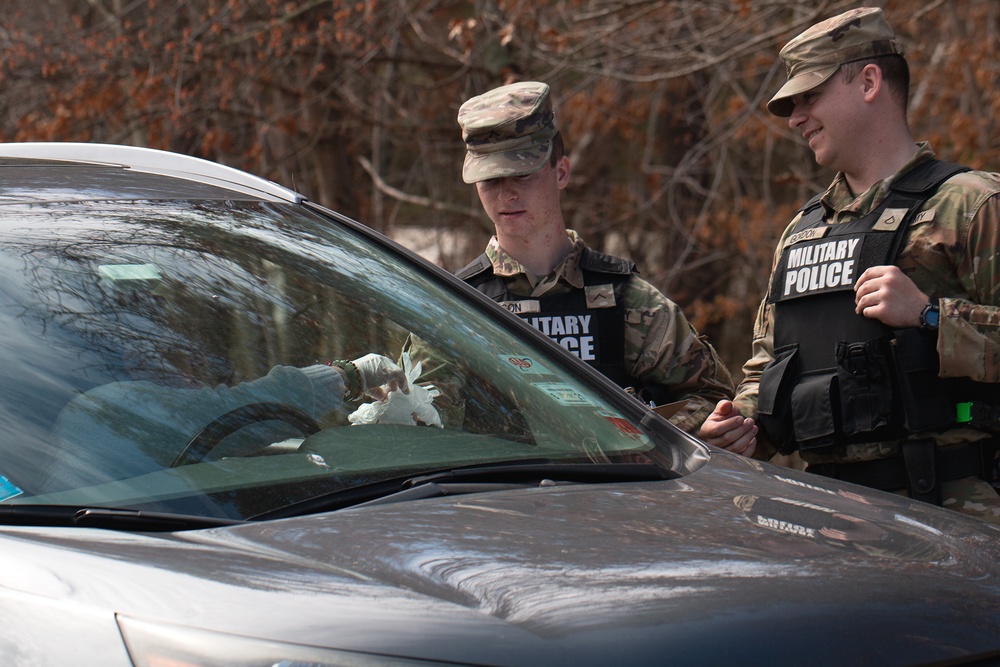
x,y
675,161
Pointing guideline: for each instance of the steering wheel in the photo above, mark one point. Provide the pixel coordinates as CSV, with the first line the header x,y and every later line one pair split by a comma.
x,y
225,425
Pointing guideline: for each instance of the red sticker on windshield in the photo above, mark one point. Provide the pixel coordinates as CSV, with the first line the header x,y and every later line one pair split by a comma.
x,y
624,425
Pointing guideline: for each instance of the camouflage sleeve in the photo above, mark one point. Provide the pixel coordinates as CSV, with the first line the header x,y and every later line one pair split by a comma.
x,y
663,349
762,345
762,349
969,331
748,390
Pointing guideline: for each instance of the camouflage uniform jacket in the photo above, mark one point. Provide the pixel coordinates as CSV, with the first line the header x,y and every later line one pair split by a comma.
x,y
950,254
661,346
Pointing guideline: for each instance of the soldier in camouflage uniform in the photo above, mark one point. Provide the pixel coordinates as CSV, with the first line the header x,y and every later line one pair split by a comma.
x,y
592,304
876,352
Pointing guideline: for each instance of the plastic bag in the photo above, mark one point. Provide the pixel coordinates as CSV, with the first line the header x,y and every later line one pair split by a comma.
x,y
399,408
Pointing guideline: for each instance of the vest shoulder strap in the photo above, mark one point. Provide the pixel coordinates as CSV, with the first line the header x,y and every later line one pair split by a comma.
x,y
474,268
913,187
812,214
925,178
480,269
598,262
479,274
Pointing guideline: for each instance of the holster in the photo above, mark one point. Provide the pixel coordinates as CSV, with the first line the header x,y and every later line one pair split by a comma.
x,y
920,461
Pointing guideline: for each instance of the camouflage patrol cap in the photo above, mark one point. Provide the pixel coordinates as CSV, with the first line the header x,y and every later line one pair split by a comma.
x,y
813,56
508,131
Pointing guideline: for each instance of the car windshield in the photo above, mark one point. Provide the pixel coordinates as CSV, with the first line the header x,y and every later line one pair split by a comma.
x,y
174,356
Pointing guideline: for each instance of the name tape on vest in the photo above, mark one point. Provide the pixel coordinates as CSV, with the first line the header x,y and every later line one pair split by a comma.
x,y
806,235
519,307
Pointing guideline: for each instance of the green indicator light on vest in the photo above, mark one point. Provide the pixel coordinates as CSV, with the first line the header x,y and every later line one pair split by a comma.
x,y
963,413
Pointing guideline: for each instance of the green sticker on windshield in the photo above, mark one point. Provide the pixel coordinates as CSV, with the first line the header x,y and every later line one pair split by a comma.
x,y
563,394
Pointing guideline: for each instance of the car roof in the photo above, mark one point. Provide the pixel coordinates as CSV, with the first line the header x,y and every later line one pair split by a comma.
x,y
95,168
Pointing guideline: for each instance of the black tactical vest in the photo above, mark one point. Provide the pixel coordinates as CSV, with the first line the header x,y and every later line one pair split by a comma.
x,y
593,332
838,377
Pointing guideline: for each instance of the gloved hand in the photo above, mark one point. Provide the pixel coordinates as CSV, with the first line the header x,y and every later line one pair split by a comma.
x,y
380,375
415,407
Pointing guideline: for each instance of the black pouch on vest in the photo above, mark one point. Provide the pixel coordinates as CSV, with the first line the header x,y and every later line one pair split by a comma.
x,y
774,398
917,365
813,410
865,386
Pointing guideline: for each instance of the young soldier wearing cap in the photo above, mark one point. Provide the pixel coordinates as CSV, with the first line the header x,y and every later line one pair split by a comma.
x,y
877,347
592,304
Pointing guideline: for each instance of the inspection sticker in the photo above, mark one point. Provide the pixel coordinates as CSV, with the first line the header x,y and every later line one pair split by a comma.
x,y
563,393
7,489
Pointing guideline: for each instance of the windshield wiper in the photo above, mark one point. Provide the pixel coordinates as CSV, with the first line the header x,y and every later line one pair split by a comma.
x,y
581,473
499,478
105,517
473,479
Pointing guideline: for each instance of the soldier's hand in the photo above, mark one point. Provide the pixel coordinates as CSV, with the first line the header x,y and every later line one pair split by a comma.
x,y
380,375
886,294
728,429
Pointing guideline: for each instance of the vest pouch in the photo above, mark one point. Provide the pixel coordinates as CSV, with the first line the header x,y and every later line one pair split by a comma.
x,y
774,397
925,403
813,410
865,386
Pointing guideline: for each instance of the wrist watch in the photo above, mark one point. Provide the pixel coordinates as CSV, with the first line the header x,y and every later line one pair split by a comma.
x,y
930,316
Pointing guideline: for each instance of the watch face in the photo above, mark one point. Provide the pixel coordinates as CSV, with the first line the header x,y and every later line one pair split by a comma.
x,y
929,317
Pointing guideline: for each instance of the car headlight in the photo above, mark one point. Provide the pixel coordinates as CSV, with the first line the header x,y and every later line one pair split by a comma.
x,y
162,645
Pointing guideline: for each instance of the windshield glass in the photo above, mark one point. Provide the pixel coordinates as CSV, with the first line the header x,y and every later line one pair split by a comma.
x,y
179,356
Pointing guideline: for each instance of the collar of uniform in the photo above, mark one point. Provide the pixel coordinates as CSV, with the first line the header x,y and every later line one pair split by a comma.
x,y
568,268
504,265
839,198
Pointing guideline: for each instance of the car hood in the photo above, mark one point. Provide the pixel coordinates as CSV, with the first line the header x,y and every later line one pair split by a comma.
x,y
738,560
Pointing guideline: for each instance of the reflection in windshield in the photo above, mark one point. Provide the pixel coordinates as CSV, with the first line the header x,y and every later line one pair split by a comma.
x,y
130,327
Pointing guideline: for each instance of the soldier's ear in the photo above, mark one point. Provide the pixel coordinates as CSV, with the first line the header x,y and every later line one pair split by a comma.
x,y
871,81
562,172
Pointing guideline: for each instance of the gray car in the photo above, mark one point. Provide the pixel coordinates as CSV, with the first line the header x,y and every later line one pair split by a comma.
x,y
186,479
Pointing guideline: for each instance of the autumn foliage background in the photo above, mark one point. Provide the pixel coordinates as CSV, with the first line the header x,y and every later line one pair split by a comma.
x,y
676,164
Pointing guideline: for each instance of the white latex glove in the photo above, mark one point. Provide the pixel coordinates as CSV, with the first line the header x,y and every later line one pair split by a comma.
x,y
415,407
380,375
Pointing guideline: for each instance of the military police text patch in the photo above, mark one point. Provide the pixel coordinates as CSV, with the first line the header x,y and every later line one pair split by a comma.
x,y
573,332
820,266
